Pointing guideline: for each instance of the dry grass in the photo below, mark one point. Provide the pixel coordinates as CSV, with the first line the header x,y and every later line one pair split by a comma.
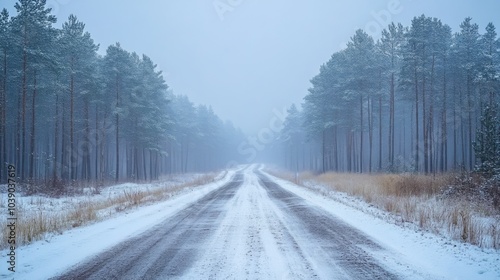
x,y
33,226
414,199
412,185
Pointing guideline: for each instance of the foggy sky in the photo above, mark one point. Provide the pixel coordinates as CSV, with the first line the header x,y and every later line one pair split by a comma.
x,y
249,57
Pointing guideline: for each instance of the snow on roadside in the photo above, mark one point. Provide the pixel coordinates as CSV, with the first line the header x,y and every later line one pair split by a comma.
x,y
44,259
34,203
435,255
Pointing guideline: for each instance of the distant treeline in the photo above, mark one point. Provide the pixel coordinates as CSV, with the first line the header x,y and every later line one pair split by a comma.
x,y
420,99
69,114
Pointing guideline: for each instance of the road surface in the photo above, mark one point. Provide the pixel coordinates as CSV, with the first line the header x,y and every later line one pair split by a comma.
x,y
250,228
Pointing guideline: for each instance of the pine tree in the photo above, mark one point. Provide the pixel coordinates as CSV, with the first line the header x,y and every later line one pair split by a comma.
x,y
421,57
318,110
467,51
78,56
4,46
148,115
294,136
391,44
33,36
207,136
184,130
363,73
119,72
489,63
487,145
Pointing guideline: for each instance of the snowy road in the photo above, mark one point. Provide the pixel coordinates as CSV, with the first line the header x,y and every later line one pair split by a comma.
x,y
250,228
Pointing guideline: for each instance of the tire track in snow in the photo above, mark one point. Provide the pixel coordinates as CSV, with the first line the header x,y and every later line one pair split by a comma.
x,y
235,251
333,244
251,242
293,264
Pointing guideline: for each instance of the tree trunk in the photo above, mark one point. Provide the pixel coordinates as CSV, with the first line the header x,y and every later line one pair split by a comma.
x,y
56,142
391,121
18,154
3,116
72,160
430,125
370,132
361,136
323,152
97,144
186,156
32,140
64,143
349,153
23,108
444,132
462,135
424,126
469,109
86,145
117,174
144,164
455,144
136,164
380,132
416,121
103,165
335,149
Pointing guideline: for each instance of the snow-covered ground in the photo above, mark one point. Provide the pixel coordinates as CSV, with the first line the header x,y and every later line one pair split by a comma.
x,y
35,203
433,254
43,259
255,238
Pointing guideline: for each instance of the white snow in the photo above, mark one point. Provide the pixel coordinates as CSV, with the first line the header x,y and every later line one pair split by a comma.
x,y
244,245
44,259
34,203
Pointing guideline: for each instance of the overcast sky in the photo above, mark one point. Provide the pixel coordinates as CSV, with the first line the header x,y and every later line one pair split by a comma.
x,y
247,58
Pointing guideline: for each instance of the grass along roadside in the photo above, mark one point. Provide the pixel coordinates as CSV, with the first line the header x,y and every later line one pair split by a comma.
x,y
410,199
39,217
